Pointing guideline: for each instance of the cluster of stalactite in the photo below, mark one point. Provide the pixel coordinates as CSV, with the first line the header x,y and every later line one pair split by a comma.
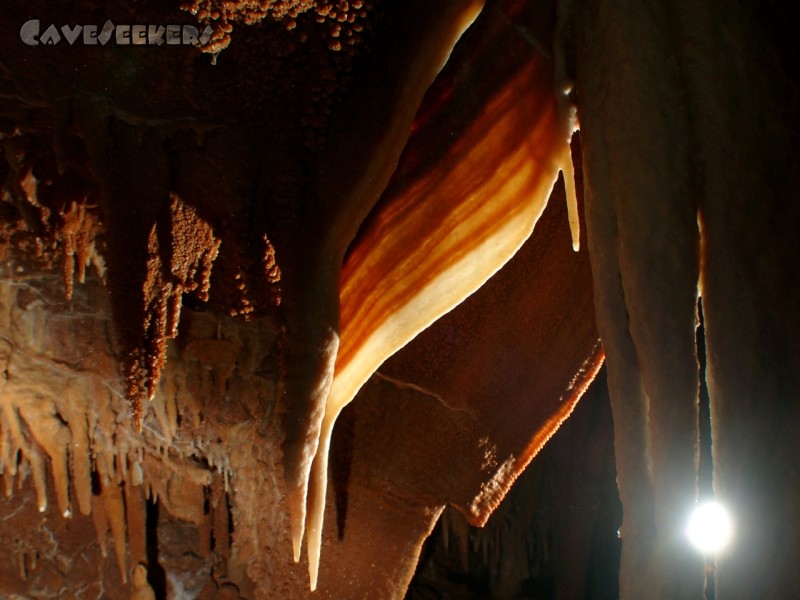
x,y
360,214
192,217
67,441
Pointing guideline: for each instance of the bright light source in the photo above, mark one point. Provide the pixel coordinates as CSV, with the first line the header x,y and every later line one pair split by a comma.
x,y
710,527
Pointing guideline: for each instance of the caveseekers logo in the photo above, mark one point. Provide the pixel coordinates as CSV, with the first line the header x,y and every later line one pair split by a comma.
x,y
122,35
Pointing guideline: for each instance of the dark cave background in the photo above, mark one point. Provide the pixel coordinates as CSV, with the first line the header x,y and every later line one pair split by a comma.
x,y
554,535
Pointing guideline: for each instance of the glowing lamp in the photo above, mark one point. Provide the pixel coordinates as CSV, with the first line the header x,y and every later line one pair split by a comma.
x,y
710,527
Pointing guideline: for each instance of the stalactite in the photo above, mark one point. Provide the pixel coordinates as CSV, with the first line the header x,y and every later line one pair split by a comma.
x,y
191,252
425,41
80,462
44,423
136,523
435,237
667,153
110,495
100,520
746,139
34,457
77,234
75,435
11,444
29,451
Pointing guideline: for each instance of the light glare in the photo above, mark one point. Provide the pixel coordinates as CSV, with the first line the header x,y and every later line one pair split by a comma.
x,y
710,528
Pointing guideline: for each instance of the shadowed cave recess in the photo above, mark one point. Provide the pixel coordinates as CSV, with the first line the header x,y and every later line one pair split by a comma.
x,y
286,312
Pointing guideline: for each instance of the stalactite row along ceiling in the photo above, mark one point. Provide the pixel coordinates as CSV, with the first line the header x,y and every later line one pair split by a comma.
x,y
173,197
